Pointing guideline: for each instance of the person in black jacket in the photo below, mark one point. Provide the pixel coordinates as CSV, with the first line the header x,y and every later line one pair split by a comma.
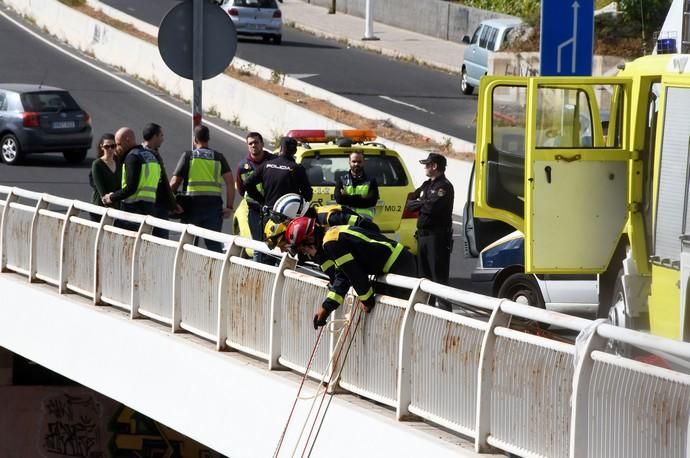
x,y
434,201
348,255
279,176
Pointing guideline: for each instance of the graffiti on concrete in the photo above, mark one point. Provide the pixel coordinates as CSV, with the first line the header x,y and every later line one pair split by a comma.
x,y
72,426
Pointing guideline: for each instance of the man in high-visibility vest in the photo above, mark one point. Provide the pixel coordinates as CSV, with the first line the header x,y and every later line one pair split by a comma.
x,y
204,171
348,255
356,190
141,174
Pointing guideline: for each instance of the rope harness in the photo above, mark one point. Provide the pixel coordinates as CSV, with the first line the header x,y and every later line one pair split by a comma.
x,y
347,336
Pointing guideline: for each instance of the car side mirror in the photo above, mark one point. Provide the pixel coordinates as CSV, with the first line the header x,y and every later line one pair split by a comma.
x,y
466,39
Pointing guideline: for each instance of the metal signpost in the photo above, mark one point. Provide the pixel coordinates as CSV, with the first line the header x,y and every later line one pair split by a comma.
x,y
197,40
567,37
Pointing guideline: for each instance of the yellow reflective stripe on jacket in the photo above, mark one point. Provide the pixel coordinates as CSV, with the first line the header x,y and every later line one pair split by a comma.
x,y
344,259
204,177
368,294
395,249
396,252
335,296
327,265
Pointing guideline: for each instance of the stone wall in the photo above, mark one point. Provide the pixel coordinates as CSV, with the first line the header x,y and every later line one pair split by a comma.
x,y
445,20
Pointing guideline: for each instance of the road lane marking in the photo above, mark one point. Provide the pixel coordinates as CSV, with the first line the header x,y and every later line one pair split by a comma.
x,y
302,76
400,102
117,78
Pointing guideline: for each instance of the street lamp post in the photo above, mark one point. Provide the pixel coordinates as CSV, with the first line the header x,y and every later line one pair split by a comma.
x,y
369,23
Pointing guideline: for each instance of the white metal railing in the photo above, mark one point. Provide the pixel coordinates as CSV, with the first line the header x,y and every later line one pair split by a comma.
x,y
523,393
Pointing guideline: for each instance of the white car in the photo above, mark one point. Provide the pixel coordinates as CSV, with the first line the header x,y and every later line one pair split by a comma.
x,y
500,273
259,18
490,36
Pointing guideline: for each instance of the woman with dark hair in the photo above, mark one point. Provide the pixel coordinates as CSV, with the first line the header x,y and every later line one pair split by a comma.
x,y
106,170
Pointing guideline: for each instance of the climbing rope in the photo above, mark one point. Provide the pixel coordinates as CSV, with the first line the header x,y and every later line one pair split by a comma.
x,y
297,397
330,398
335,358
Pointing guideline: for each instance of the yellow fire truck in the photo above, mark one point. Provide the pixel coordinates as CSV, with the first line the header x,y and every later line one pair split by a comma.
x,y
594,171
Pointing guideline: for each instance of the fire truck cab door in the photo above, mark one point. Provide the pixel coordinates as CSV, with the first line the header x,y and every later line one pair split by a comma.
x,y
576,172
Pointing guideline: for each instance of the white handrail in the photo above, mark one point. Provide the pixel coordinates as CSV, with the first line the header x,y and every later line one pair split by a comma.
x,y
452,344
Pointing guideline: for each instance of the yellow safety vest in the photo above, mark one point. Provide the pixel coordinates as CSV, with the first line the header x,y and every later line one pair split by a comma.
x,y
149,177
204,177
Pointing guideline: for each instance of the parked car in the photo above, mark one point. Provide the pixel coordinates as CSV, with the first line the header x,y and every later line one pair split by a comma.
x,y
500,272
258,18
41,119
490,36
325,154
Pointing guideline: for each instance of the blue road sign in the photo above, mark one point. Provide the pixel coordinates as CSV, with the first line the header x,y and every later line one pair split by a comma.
x,y
567,37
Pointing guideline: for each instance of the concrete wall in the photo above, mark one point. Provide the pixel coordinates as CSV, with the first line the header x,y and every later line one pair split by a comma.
x,y
445,20
527,64
59,421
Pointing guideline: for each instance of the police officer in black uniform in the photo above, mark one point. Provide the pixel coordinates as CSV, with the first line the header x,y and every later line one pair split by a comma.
x,y
434,201
279,176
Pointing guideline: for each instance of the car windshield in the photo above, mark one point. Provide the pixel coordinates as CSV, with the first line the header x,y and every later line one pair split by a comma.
x,y
325,170
256,3
48,101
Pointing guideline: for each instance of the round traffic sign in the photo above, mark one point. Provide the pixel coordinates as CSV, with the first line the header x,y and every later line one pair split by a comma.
x,y
176,43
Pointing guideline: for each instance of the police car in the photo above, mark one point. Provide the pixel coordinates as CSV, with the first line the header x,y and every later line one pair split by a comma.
x,y
500,273
325,162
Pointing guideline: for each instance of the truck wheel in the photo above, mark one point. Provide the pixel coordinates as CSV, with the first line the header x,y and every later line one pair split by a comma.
x,y
523,289
465,86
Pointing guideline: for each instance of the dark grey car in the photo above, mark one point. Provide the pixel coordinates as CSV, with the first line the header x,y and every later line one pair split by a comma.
x,y
42,119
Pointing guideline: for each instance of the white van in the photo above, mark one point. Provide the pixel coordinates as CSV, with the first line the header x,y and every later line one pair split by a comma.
x,y
489,37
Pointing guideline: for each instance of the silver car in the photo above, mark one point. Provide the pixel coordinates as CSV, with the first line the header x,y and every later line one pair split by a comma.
x,y
41,119
259,18
489,37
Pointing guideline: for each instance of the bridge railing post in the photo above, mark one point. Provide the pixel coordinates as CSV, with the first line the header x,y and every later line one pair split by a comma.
x,y
275,331
485,378
33,239
404,356
223,305
185,238
579,421
11,197
62,280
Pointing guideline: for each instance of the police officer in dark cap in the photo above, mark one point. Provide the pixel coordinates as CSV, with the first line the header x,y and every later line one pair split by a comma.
x,y
434,201
280,176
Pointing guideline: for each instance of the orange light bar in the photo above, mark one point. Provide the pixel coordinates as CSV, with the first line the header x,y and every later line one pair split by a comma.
x,y
320,136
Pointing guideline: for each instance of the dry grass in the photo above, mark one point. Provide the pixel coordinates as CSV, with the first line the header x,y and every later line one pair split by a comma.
x,y
384,128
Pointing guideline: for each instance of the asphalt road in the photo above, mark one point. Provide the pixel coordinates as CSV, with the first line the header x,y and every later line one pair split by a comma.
x,y
112,104
433,97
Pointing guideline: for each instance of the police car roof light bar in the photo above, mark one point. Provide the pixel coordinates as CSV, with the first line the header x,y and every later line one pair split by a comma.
x,y
322,136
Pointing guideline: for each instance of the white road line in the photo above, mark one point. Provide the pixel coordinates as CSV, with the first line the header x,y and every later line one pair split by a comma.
x,y
400,102
117,78
302,76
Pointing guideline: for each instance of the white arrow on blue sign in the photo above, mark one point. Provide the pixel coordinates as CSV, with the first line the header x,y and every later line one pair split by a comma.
x,y
567,37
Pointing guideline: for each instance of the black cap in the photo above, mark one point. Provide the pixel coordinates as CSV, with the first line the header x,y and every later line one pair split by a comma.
x,y
435,158
288,145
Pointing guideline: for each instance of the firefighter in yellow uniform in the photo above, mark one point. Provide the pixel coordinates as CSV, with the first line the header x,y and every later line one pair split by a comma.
x,y
348,255
326,216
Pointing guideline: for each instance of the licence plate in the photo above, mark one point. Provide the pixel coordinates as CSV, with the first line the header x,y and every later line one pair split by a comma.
x,y
63,125
255,26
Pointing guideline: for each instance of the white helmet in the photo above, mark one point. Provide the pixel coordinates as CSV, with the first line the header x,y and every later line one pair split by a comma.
x,y
291,205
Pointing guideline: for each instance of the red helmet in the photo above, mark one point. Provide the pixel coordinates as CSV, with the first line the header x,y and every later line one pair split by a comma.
x,y
299,230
